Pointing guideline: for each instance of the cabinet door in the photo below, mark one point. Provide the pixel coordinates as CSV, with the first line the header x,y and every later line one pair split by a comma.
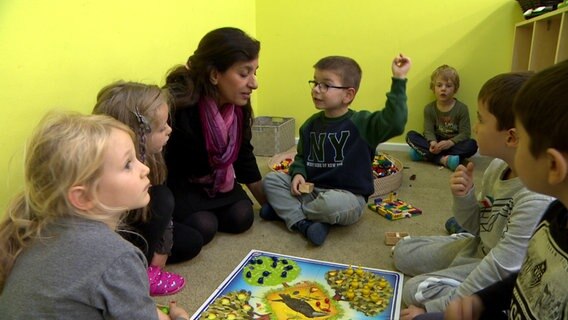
x,y
522,47
562,51
545,43
541,41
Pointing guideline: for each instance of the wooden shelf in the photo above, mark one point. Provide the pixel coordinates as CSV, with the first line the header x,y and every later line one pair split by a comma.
x,y
541,41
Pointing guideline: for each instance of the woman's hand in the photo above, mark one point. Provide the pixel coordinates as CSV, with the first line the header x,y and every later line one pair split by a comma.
x,y
257,191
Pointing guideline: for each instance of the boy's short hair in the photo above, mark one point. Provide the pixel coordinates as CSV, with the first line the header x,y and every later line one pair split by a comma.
x,y
498,94
346,68
542,108
448,74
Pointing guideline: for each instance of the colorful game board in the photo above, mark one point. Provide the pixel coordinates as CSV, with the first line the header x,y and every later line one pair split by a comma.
x,y
393,208
272,286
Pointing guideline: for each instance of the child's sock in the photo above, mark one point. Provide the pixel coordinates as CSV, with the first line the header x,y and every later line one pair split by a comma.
x,y
316,232
452,162
452,226
267,213
414,155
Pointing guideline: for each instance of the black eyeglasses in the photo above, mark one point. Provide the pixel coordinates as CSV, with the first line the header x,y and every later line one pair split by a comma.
x,y
323,87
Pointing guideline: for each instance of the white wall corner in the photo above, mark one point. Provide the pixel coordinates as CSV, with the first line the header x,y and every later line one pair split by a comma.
x,y
393,146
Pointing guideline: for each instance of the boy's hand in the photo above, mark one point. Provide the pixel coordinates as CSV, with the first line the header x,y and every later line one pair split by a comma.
x,y
411,312
400,66
466,308
437,147
434,147
295,185
461,180
445,144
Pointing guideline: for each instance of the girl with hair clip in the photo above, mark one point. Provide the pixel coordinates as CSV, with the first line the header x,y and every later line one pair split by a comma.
x,y
210,154
144,108
60,257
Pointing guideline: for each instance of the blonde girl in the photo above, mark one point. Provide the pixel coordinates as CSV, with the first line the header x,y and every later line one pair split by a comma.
x,y
145,109
59,254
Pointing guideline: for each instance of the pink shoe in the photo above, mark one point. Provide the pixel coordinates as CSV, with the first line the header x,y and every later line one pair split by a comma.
x,y
164,283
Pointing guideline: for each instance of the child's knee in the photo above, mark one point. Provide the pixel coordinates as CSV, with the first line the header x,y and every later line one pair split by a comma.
x,y
274,179
402,256
268,179
409,293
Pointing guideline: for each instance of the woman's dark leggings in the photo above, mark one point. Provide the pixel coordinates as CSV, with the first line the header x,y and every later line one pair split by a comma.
x,y
234,218
187,242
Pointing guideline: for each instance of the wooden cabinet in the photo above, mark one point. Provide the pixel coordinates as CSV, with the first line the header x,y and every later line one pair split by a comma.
x,y
541,41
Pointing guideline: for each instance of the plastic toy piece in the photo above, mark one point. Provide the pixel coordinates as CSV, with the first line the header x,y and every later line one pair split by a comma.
x,y
391,238
307,187
393,208
283,166
163,308
383,166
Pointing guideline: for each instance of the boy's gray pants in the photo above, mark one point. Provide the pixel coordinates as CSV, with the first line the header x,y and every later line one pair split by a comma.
x,y
438,264
333,206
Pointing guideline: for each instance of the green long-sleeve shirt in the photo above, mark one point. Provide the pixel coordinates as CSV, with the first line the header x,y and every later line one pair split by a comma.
x,y
337,153
452,125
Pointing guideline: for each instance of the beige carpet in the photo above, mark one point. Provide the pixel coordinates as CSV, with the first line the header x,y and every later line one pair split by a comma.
x,y
361,244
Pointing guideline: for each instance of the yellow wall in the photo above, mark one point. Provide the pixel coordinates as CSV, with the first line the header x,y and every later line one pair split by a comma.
x,y
59,54
475,37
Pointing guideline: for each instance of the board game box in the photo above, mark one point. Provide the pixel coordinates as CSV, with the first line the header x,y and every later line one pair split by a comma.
x,y
272,286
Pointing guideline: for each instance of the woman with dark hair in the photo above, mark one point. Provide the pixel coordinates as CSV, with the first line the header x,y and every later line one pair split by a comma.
x,y
209,154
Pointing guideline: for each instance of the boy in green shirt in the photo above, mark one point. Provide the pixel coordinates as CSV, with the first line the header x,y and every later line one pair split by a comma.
x,y
335,151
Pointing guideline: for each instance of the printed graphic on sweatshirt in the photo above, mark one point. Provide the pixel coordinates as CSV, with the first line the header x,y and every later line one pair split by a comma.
x,y
499,209
446,126
327,150
540,291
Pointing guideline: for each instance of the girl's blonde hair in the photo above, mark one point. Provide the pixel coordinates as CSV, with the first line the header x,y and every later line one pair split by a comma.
x,y
136,105
65,150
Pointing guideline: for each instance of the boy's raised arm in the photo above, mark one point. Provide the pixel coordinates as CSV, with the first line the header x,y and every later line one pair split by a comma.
x,y
400,66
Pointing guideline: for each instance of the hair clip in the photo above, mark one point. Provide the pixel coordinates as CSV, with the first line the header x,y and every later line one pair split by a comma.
x,y
144,124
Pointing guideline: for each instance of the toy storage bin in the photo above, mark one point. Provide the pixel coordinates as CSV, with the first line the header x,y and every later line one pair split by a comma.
x,y
390,183
272,135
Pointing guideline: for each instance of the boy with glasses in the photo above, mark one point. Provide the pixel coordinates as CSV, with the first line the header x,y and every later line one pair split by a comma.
x,y
335,151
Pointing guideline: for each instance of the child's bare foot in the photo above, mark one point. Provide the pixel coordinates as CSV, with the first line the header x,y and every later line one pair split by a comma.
x,y
444,161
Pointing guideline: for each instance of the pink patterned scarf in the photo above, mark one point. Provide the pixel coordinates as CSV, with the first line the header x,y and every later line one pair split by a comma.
x,y
222,133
